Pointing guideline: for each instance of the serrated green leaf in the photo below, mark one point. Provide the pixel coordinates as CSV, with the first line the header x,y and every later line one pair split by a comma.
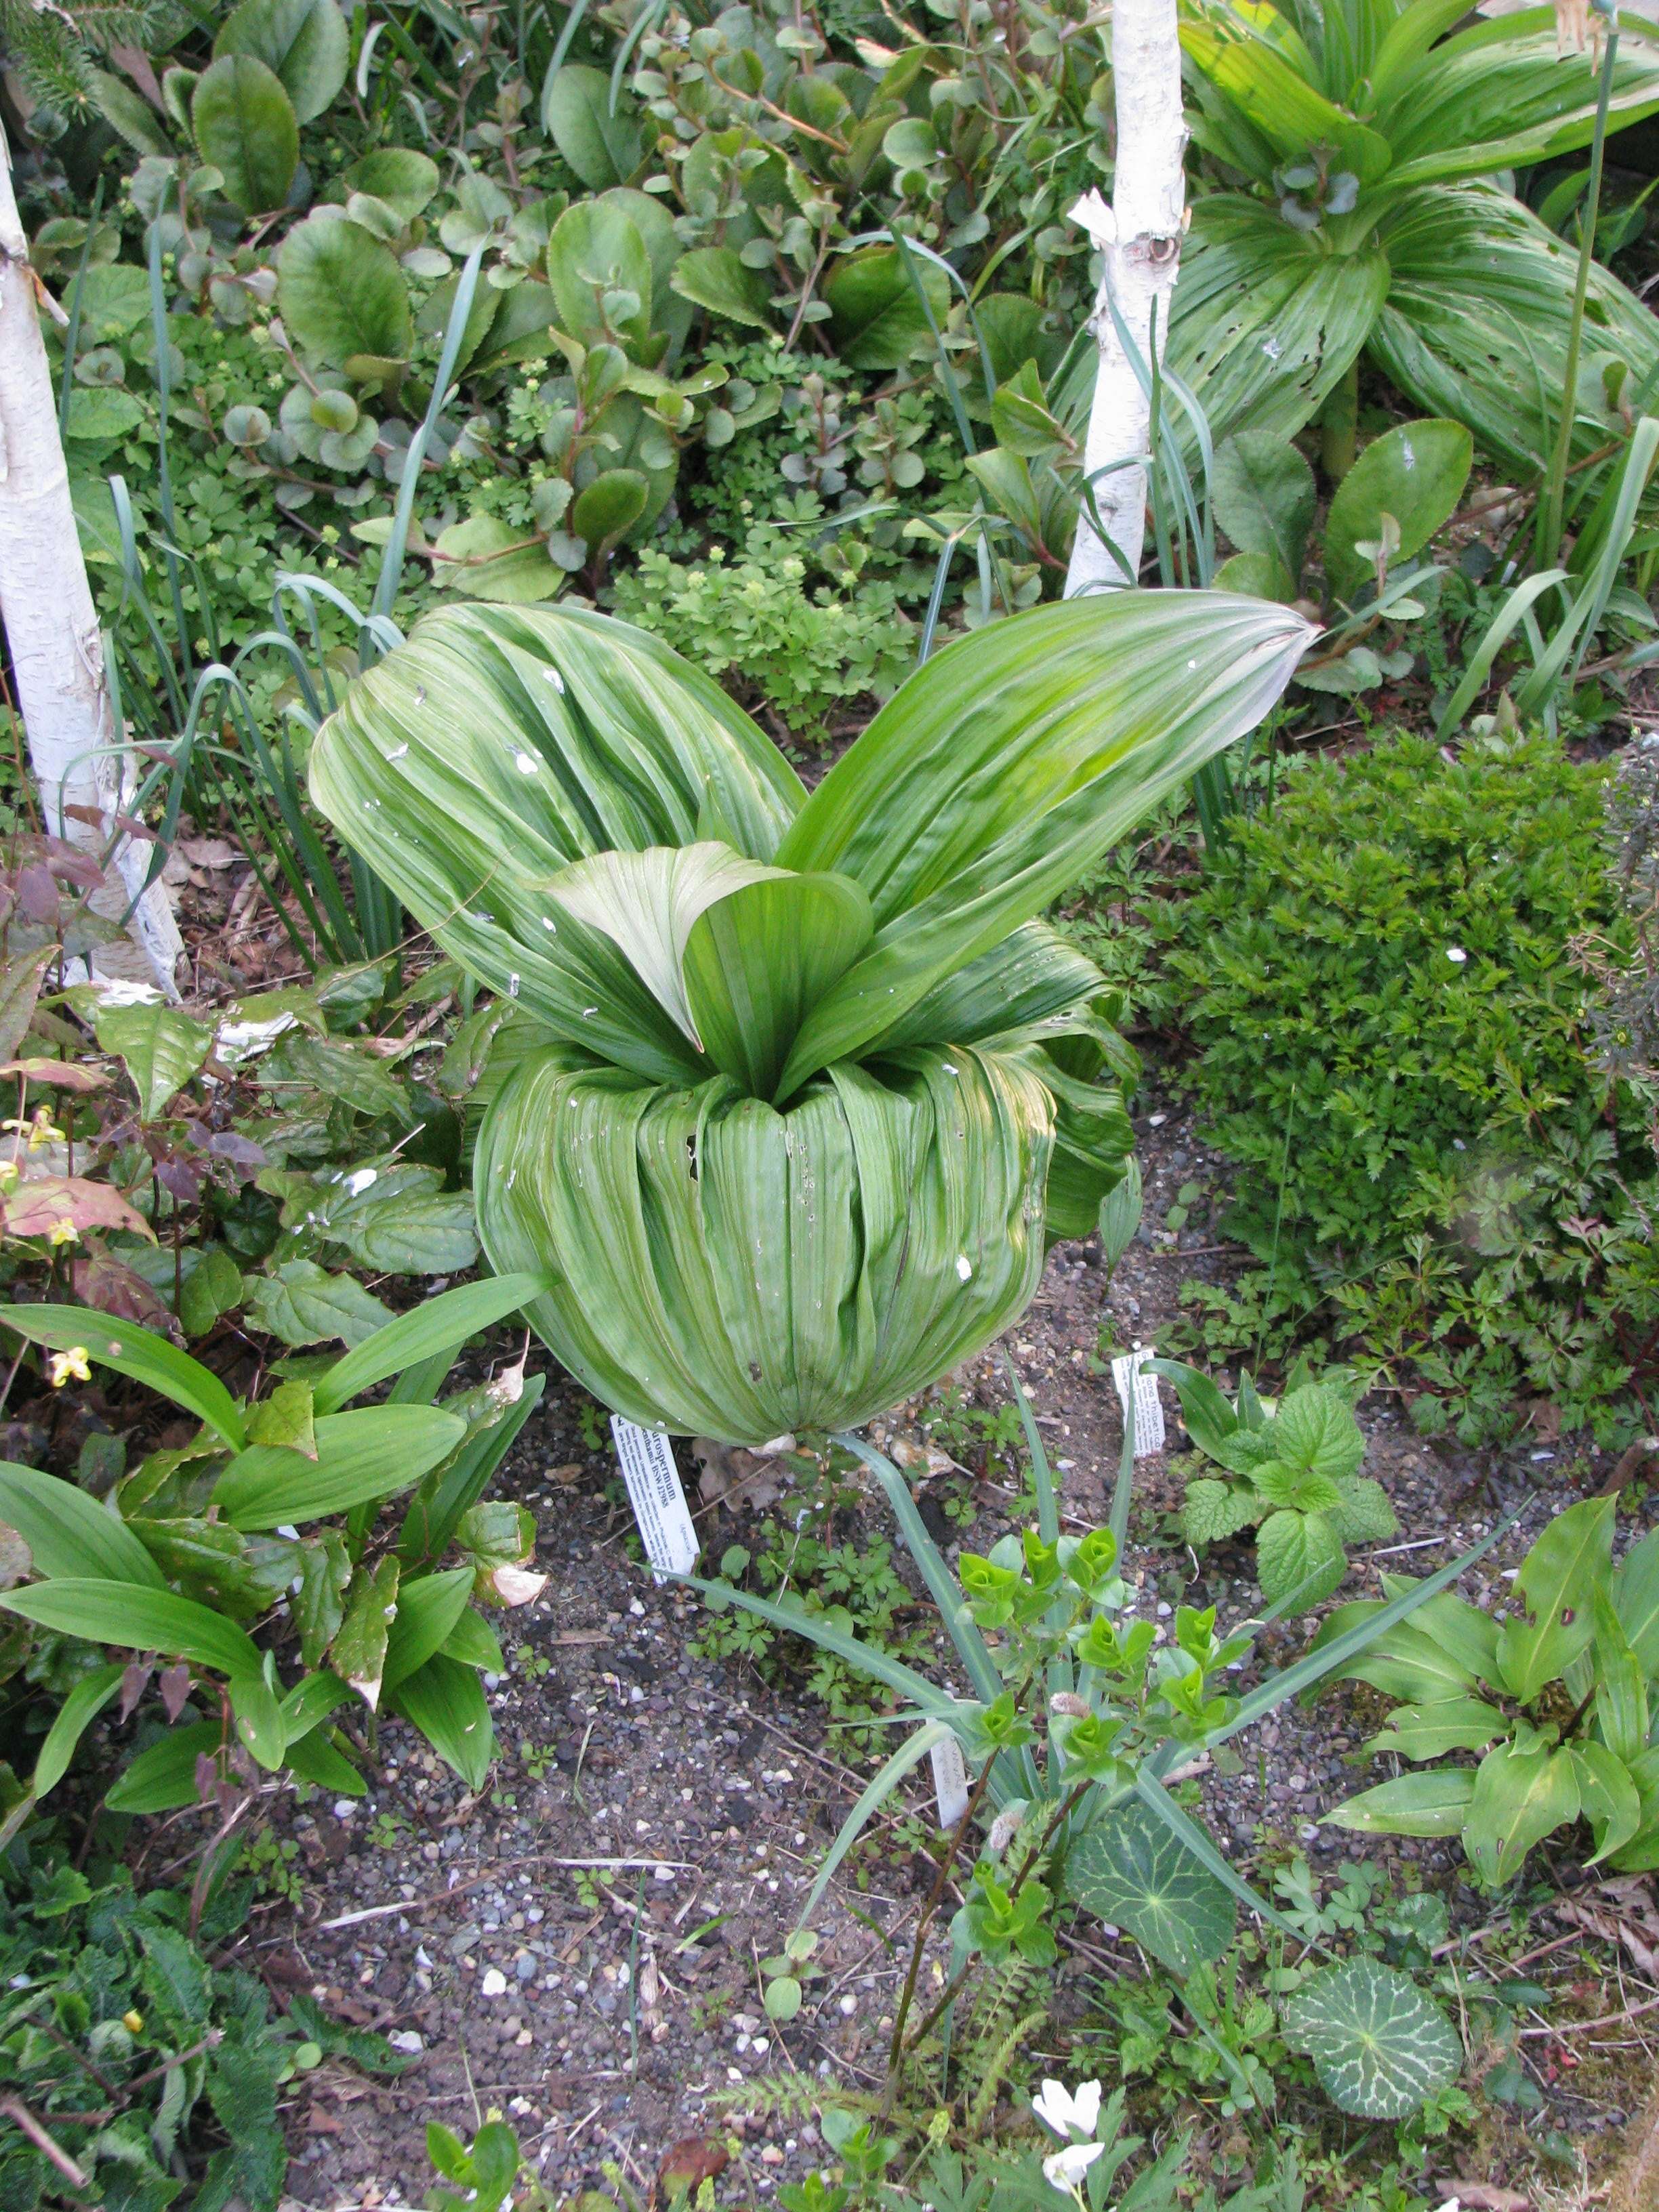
x,y
1214,1510
302,1303
1299,1556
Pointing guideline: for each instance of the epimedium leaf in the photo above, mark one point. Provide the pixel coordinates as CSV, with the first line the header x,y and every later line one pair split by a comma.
x,y
1414,473
286,1417
1380,2047
161,1046
302,1303
319,1603
1130,1870
245,127
358,1651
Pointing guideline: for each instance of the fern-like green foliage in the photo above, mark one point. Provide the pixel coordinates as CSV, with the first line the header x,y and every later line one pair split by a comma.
x,y
56,52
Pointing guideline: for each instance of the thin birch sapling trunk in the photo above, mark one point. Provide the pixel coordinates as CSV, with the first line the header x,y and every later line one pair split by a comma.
x,y
1140,235
51,625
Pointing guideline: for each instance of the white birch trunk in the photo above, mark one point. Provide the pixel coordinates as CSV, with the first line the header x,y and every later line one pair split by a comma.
x,y
1140,235
51,628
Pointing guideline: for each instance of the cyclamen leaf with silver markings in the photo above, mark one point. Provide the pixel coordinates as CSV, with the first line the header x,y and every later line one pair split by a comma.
x,y
1133,1872
1379,2047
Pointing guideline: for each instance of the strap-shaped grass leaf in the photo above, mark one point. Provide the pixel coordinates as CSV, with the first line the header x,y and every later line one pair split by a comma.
x,y
1379,2047
360,1456
1131,1871
138,1353
68,1533
441,1325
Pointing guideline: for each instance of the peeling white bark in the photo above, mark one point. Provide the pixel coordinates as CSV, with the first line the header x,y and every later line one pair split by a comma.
x,y
51,625
1140,235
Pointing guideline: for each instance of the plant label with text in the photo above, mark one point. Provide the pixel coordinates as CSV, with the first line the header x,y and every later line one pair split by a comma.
x,y
657,1495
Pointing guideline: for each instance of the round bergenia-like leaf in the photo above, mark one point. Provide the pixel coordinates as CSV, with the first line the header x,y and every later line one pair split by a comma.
x,y
246,129
1379,2047
342,294
1133,1872
304,42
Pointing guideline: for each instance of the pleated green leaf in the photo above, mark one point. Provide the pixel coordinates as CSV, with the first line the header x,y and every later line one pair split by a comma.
x,y
756,962
1507,81
499,745
1007,765
1271,88
1265,321
1477,320
722,1268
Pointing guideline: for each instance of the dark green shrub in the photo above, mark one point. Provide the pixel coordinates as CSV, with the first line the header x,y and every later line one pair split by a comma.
x,y
1395,1044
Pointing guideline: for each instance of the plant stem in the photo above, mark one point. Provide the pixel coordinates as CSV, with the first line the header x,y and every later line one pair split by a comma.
x,y
895,2048
1339,425
1553,511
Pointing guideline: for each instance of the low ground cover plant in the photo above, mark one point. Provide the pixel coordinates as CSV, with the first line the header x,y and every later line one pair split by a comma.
x,y
1393,1043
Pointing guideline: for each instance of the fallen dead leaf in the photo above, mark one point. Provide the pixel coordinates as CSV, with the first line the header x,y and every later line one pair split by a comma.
x,y
739,1480
1486,2197
688,2164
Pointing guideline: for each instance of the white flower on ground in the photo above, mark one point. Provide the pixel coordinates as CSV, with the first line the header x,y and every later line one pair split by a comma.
x,y
1067,2167
1457,955
1057,2108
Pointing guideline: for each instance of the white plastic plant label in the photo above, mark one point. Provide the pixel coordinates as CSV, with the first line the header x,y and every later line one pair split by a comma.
x,y
1148,1408
657,1495
950,1781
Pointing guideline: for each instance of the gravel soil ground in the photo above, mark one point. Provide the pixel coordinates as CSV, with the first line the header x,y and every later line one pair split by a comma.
x,y
579,1947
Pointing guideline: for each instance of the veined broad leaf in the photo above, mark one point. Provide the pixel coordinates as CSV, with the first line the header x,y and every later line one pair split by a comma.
x,y
1131,1871
136,1352
1379,2047
69,1534
1430,1731
1519,1798
360,1456
1433,1804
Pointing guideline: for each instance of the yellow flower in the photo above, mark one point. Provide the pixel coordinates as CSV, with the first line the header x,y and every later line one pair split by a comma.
x,y
9,1172
42,1130
133,2022
63,1232
72,1362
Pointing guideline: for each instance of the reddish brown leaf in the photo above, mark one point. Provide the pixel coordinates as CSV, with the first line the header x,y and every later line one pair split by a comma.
x,y
32,1207
134,1682
62,1074
112,1288
688,2164
173,1683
